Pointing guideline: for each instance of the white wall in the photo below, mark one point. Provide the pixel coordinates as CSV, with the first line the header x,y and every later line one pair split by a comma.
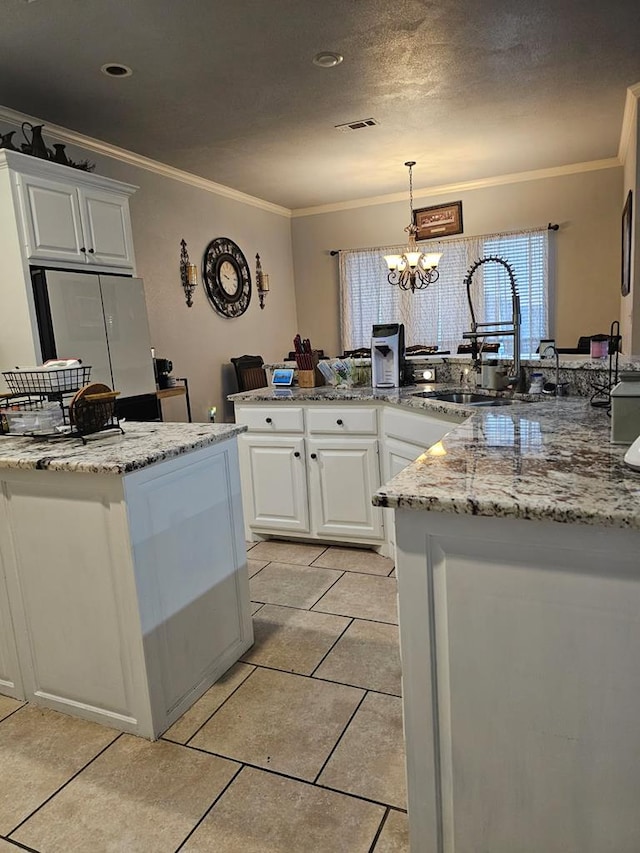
x,y
198,340
586,205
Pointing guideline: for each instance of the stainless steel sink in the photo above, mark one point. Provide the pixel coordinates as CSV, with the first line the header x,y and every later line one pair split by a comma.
x,y
467,398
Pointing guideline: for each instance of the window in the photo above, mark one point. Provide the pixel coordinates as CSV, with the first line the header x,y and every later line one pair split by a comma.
x,y
440,314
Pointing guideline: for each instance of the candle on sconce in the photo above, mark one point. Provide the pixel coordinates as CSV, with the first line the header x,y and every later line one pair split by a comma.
x,y
263,282
192,273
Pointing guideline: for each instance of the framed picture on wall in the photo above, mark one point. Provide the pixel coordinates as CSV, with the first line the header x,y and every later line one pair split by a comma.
x,y
626,245
441,220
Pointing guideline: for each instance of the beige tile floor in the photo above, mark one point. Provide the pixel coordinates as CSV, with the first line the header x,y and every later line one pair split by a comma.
x,y
297,748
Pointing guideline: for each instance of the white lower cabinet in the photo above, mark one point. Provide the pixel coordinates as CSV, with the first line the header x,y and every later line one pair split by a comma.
x,y
311,469
296,480
343,475
274,482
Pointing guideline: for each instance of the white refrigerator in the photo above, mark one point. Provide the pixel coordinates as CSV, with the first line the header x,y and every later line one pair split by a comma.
x,y
101,319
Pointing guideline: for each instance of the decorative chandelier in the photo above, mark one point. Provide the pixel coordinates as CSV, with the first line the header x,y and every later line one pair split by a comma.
x,y
412,270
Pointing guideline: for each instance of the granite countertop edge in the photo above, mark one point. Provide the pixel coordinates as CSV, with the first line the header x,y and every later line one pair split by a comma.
x,y
142,445
545,459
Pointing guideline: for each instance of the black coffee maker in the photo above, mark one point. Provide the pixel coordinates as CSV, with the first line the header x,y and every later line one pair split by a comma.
x,y
162,367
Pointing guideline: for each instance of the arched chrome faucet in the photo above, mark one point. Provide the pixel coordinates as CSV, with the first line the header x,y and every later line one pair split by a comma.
x,y
505,329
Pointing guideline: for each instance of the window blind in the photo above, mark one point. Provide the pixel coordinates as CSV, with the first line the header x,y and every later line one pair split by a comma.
x,y
439,315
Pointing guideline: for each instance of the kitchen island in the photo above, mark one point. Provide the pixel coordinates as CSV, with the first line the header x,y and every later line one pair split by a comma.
x,y
518,563
123,577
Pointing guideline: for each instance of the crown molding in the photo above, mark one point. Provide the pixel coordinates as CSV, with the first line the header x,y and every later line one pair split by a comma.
x,y
628,121
450,189
89,143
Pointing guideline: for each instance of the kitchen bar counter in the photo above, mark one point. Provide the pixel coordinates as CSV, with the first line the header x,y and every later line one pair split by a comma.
x,y
142,444
551,461
548,459
518,600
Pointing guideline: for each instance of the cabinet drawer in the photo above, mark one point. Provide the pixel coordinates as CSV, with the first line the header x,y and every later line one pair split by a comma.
x,y
420,429
343,420
271,418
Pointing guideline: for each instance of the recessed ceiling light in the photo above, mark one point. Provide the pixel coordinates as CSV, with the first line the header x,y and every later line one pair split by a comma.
x,y
115,69
327,59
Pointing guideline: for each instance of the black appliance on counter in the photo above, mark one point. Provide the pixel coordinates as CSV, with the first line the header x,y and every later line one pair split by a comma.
x,y
102,320
162,368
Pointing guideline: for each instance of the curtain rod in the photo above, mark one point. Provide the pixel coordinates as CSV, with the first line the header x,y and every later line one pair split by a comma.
x,y
550,227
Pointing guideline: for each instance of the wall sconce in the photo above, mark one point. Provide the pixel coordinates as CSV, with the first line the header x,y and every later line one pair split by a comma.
x,y
262,281
188,274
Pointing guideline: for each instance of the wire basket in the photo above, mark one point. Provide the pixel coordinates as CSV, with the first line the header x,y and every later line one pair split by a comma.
x,y
47,381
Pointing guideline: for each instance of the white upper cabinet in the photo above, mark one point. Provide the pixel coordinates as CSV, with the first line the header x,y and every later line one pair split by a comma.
x,y
52,224
71,218
106,227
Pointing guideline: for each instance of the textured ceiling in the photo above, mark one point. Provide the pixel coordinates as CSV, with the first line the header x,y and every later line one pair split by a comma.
x,y
226,88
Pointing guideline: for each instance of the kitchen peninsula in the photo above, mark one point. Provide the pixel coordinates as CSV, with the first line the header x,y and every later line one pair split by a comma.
x,y
517,533
123,578
518,565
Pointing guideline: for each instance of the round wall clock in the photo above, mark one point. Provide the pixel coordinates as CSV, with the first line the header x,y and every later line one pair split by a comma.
x,y
226,277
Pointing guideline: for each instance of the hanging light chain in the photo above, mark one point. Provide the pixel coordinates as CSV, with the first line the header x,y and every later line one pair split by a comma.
x,y
410,164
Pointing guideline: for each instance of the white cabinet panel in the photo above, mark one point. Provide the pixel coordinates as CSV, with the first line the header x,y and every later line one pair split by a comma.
x,y
417,427
343,420
194,618
343,475
52,220
274,482
10,679
71,653
271,419
520,649
107,228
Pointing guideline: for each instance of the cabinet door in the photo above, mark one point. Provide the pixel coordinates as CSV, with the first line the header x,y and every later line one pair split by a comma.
x,y
397,455
127,327
52,222
274,483
107,228
343,475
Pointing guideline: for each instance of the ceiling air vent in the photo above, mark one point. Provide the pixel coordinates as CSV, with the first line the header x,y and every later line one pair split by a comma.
x,y
360,124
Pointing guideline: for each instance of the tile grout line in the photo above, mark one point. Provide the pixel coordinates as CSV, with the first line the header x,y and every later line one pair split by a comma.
x,y
315,678
379,832
342,574
18,844
327,612
333,645
342,733
68,782
283,775
15,710
213,713
208,811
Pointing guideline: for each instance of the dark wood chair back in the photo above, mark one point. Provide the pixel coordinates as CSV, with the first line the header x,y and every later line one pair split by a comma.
x,y
250,372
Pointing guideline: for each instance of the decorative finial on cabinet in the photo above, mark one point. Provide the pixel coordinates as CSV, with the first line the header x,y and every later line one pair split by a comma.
x,y
188,274
262,281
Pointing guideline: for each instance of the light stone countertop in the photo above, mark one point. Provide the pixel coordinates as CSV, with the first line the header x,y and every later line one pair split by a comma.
x,y
549,460
141,445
